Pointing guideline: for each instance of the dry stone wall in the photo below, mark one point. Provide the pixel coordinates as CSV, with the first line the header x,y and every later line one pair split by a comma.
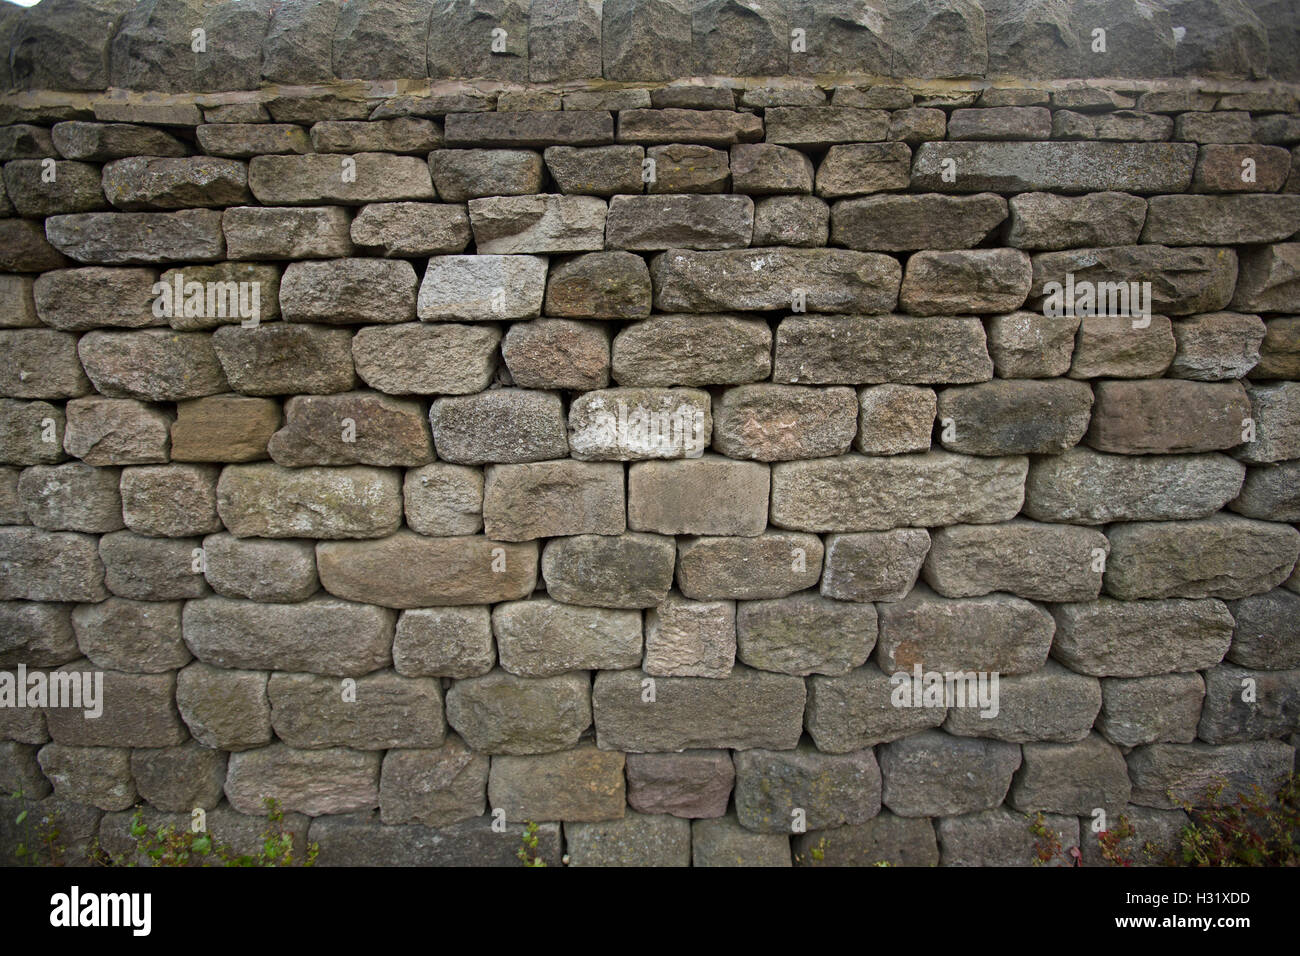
x,y
443,416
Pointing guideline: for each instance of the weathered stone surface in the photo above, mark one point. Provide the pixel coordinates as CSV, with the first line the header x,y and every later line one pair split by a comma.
x,y
362,840
148,182
17,303
1042,562
268,501
135,710
857,493
535,129
1001,837
49,566
860,349
543,638
680,222
557,354
1131,638
685,638
321,635
244,140
113,431
137,238
1163,708
1276,420
1083,486
599,285
1164,775
707,495
1230,126
579,785
791,221
506,225
402,134
761,168
418,358
746,709
318,178
1158,416
1223,556
152,364
488,288
830,789
442,499
411,228
931,774
928,221
1027,345
1243,704
1051,704
1121,125
170,501
548,499
1111,347
36,189
508,425
353,428
32,432
1267,630
179,779
444,642
692,350
635,840
982,280
1223,169
1183,280
434,786
860,708
71,497
314,782
407,570
381,711
1270,493
1049,221
223,428
1223,220
1156,840
76,300
1269,279
937,634
723,842
618,571
691,784
338,291
98,776
771,565
804,634
596,170
20,772
224,293
38,635
817,127
97,142
24,248
1056,167
784,422
1001,123
687,168
915,126
1216,346
286,232
632,424
875,565
706,127
862,168
1009,417
258,569
833,280
462,174
893,419
884,839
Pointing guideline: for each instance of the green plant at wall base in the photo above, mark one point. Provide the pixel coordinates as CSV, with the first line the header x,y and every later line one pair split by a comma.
x,y
1254,829
527,851
1047,843
42,842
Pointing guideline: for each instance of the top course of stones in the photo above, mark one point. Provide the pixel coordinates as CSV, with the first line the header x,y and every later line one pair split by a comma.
x,y
174,46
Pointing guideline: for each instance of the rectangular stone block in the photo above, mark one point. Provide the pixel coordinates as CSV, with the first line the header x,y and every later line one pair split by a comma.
x,y
548,499
269,501
708,495
314,782
870,349
579,785
380,711
685,221
530,128
320,178
1056,167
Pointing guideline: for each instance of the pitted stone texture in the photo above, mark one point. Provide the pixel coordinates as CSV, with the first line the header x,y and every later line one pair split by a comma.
x,y
136,710
434,786
148,182
1164,775
24,248
504,426
50,566
860,708
647,223
314,782
349,180
579,785
1056,167
341,291
98,776
857,493
137,238
254,296
38,635
1041,562
723,842
1223,556
408,570
692,350
283,358
286,232
462,174
97,142
1163,708
791,221
1269,279
421,359
817,127
402,134
1048,221
932,774
685,638
544,638
239,140
557,354
783,422
179,779
1001,837
268,501
549,499
1217,346
884,839
37,189
152,569
599,285
687,168
353,428
1267,631
1110,638
482,288
442,499
746,709
70,497
894,419
617,571
379,711
321,635
863,168
804,634
771,565
706,127
1052,704
533,129
1183,280
596,170
1111,347
830,789
410,228
1225,220
33,433
904,223
154,365
874,565
444,642
1276,416
692,784
1008,417
170,501
77,300
259,569
761,168
708,495
1231,714
131,636
981,280
505,225
875,349
1158,416
635,840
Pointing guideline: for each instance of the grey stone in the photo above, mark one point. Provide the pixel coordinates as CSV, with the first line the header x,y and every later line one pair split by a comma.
x,y
268,501
830,789
1111,347
462,174
1157,416
71,497
869,349
50,566
1041,562
24,248
1183,280
635,840
544,638
137,710
1002,837
1269,279
170,501
443,499
259,569
932,774
706,127
36,189
1220,220
1028,345
687,349
131,636
874,565
444,642
1049,221
1267,628
690,784
817,127
723,842
152,364
402,134
557,354
1217,346
791,221
137,238
599,285
771,565
506,225
32,432
509,425
804,634
862,168
595,170
981,280
1052,704
860,708
379,711
688,168
38,635
116,431
929,221
1243,704
1056,167
1162,708
1165,775
707,495
763,168
287,232
98,776
340,291
314,782
320,178
1110,638
420,358
548,499
411,228
488,288
243,140
179,779
893,419
884,839
433,786
532,129
1014,417
680,222
148,182
352,428
685,638
632,424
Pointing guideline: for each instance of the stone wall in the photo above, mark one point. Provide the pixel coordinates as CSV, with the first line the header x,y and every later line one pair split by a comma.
x,y
587,431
